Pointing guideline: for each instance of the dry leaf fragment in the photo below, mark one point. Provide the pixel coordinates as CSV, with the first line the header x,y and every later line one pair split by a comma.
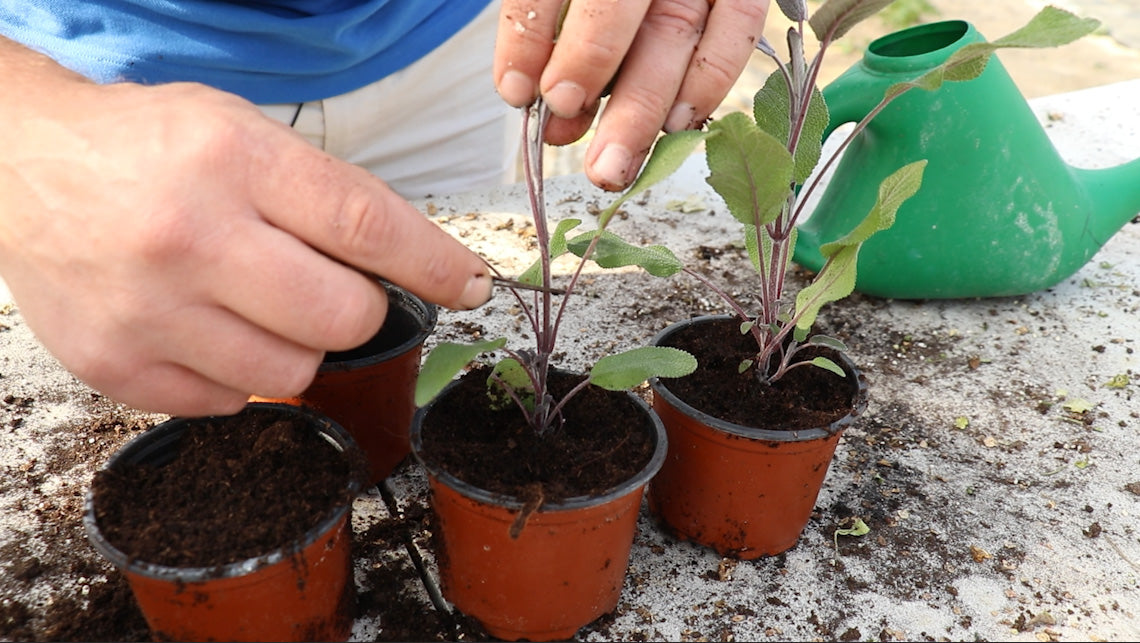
x,y
725,569
1078,405
1120,380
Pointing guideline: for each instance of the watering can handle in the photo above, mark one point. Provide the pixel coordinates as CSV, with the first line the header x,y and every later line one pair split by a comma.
x,y
852,96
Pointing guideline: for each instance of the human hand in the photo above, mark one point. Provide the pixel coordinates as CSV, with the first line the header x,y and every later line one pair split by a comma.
x,y
179,251
672,63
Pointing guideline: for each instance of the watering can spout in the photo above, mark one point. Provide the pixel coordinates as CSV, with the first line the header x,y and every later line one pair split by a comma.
x,y
999,211
1115,196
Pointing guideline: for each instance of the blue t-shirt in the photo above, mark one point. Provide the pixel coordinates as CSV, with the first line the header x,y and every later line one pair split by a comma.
x,y
269,51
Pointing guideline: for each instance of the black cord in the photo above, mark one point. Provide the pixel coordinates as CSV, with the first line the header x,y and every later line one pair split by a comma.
x,y
296,114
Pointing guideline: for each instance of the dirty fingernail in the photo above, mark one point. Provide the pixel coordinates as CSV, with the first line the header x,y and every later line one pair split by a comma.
x,y
517,88
476,293
612,166
566,99
681,117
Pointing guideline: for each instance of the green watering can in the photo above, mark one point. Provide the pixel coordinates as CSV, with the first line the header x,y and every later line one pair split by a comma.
x,y
999,212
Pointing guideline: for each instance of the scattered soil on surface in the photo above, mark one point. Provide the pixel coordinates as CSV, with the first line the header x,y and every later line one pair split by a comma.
x,y
91,601
391,590
805,397
592,448
223,498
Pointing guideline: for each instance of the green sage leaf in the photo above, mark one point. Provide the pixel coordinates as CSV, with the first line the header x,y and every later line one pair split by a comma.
x,y
1050,27
510,374
444,362
669,152
612,251
771,106
624,371
749,168
834,282
836,17
533,275
836,279
795,10
829,365
893,192
799,334
828,342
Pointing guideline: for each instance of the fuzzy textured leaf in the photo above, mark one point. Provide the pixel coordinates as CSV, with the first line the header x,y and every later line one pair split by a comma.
x,y
1050,27
445,361
624,371
771,107
614,252
749,168
669,152
835,281
510,374
828,341
533,275
893,192
837,17
800,334
795,10
759,247
828,365
766,47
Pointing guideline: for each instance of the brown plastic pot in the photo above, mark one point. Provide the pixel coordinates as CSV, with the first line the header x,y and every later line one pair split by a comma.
x,y
370,389
565,569
742,491
302,591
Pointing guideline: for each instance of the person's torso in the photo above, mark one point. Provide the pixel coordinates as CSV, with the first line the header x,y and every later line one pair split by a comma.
x,y
269,51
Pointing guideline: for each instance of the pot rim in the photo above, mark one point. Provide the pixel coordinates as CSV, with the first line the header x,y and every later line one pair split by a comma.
x,y
426,315
859,397
165,435
569,504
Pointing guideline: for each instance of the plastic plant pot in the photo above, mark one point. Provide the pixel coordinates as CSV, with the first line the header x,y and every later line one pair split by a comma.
x,y
300,591
564,569
370,389
743,491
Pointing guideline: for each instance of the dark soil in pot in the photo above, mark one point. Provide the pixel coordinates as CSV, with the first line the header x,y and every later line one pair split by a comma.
x,y
593,450
804,398
240,486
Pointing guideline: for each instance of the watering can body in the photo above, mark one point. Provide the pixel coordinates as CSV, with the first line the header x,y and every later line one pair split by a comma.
x,y
999,211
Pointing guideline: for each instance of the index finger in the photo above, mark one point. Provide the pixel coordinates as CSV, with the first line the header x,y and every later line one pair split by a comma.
x,y
571,73
729,39
349,214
